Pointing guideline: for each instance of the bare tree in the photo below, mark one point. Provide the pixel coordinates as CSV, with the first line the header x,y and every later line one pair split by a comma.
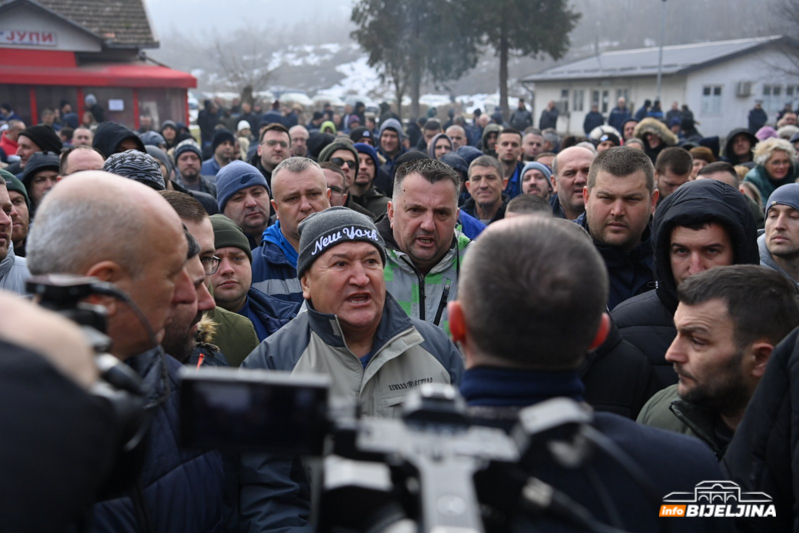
x,y
242,63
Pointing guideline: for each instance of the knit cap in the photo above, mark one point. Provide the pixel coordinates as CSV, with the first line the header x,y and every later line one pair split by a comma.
x,y
541,168
138,166
359,133
221,135
188,146
152,138
321,231
235,176
44,137
369,150
227,234
13,184
787,194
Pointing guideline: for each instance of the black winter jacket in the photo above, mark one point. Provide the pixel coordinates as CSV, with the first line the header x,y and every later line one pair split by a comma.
x,y
647,320
764,453
618,378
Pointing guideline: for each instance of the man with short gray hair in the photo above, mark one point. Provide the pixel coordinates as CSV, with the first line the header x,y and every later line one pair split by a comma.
x,y
122,232
569,176
486,185
299,188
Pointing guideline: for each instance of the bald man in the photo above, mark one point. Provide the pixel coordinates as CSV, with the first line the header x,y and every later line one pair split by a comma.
x,y
299,188
569,176
122,232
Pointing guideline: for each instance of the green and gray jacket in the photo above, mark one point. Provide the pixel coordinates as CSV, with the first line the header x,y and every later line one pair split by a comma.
x,y
274,489
665,410
423,297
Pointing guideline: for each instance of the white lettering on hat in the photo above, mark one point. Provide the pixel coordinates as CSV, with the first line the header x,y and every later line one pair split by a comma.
x,y
357,233
351,233
325,241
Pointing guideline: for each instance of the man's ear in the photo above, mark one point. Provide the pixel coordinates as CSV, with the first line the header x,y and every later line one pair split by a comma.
x,y
390,212
553,183
586,194
655,196
761,351
457,324
306,286
505,183
602,332
274,207
111,272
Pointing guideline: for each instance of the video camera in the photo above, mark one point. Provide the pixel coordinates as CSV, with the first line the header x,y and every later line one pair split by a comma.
x,y
119,386
433,470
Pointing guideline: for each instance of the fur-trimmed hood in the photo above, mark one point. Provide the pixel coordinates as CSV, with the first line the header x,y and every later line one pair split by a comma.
x,y
655,127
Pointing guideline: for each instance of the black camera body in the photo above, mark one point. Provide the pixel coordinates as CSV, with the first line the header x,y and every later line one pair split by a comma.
x,y
431,470
119,386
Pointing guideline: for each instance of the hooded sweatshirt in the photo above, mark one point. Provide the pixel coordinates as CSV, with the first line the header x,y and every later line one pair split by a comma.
x,y
647,320
491,128
657,128
729,153
109,136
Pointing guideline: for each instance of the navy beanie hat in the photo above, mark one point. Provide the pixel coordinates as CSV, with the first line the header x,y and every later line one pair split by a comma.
x,y
369,150
234,177
221,135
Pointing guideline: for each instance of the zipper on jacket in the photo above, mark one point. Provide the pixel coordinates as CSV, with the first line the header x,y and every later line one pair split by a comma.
x,y
443,303
421,287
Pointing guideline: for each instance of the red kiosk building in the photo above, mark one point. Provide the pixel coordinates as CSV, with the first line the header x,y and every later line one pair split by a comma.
x,y
54,50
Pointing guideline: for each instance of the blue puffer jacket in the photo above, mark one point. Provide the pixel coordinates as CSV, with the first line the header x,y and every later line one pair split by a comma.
x,y
272,313
274,274
183,489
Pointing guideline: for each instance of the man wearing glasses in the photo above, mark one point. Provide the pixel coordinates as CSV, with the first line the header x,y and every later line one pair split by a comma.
x,y
234,334
360,164
339,193
275,146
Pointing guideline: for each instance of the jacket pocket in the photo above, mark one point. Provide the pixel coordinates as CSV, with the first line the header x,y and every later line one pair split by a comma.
x,y
390,406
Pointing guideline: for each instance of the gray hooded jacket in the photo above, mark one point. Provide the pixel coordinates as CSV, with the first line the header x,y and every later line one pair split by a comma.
x,y
767,260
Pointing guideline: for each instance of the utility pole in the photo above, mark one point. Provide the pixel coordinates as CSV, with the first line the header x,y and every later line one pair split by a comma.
x,y
662,38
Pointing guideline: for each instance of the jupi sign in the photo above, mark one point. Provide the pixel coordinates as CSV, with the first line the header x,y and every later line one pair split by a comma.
x,y
28,38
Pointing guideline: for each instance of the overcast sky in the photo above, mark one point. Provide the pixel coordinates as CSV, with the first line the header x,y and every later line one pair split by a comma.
x,y
229,15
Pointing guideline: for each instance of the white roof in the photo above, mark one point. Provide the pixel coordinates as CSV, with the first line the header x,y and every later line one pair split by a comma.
x,y
644,61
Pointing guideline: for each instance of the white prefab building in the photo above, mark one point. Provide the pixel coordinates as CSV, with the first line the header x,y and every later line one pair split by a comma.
x,y
719,81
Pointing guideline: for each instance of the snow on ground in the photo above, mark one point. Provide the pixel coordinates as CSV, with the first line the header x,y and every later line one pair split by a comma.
x,y
359,78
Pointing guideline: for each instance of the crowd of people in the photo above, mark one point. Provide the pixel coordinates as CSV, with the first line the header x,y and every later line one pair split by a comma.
x,y
645,270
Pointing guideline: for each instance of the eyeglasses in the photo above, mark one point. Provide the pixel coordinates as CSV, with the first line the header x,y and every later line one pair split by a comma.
x,y
339,162
272,144
210,264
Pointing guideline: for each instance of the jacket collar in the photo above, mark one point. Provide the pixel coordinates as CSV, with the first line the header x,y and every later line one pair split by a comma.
x,y
7,264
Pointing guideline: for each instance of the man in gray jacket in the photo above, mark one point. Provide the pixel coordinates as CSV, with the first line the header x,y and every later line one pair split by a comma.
x,y
13,270
353,331
779,245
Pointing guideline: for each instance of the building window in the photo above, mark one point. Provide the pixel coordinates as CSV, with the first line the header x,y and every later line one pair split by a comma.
x,y
605,99
594,98
625,93
563,105
773,100
579,96
711,100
